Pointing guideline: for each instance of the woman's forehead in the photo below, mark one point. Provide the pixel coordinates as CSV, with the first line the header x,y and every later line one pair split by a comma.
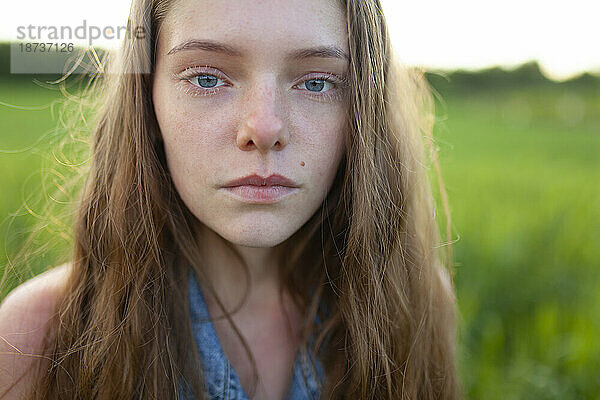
x,y
267,26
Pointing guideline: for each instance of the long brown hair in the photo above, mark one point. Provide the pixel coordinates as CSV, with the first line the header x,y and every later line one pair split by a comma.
x,y
372,250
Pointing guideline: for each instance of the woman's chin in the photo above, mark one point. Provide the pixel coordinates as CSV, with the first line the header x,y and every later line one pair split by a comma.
x,y
255,235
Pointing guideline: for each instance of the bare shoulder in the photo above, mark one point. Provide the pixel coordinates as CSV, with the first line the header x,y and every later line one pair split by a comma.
x,y
26,314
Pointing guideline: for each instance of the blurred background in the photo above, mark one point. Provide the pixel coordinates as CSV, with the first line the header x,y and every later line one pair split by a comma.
x,y
517,86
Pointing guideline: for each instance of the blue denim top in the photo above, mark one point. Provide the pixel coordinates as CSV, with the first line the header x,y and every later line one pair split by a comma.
x,y
219,375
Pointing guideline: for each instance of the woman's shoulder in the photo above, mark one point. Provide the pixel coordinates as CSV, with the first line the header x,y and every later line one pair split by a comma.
x,y
26,315
37,296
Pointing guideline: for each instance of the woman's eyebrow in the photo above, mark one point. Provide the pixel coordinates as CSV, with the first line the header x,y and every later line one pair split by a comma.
x,y
332,51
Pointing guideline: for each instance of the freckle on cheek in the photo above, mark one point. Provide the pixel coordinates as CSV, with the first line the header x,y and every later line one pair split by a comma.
x,y
302,163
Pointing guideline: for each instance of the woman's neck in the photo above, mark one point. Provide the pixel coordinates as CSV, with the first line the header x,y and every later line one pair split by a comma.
x,y
227,276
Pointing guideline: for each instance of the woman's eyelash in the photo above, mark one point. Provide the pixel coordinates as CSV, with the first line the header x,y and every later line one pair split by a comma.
x,y
339,83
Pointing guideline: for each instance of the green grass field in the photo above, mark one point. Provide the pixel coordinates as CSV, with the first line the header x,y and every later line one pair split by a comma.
x,y
29,115
521,168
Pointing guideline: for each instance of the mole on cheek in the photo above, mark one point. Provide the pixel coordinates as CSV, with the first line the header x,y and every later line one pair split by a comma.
x,y
302,163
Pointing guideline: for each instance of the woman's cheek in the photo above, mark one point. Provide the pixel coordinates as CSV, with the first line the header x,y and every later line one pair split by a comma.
x,y
324,133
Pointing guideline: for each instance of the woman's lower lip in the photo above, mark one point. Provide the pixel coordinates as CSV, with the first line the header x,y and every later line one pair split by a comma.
x,y
260,194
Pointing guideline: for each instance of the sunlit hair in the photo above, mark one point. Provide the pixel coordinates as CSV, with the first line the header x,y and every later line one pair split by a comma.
x,y
372,251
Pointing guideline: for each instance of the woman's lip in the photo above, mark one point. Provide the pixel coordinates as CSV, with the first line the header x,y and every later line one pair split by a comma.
x,y
259,181
260,194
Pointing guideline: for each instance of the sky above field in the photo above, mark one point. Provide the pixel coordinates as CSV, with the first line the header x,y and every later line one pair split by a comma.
x,y
446,34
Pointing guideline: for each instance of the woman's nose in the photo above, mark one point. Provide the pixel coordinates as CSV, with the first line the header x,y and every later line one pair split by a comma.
x,y
263,128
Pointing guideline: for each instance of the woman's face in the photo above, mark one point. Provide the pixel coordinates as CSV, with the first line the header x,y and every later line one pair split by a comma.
x,y
252,87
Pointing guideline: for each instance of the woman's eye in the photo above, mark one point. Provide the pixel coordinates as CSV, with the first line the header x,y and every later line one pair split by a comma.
x,y
205,81
316,85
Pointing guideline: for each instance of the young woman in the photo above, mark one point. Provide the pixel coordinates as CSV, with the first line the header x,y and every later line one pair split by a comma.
x,y
257,221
